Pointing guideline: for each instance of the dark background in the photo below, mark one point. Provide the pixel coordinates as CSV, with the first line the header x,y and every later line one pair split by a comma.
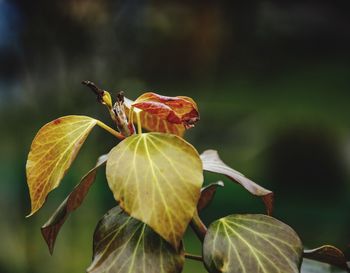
x,y
271,80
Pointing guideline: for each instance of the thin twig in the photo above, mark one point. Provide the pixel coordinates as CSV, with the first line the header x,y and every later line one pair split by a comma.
x,y
98,92
120,118
194,257
116,111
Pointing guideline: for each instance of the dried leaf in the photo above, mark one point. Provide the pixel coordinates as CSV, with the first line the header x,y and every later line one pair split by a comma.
x,y
213,163
52,227
327,254
153,123
251,243
157,179
124,244
52,152
207,194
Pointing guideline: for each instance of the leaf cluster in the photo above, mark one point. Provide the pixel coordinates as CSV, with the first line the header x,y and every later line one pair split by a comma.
x,y
157,181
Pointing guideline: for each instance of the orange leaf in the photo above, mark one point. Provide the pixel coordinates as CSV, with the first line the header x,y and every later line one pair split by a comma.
x,y
52,152
153,123
178,110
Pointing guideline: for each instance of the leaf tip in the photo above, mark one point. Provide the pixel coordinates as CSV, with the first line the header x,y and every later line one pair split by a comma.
x,y
29,215
49,239
32,212
220,183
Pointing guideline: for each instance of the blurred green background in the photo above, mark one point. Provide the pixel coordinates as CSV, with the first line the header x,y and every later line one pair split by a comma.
x,y
272,81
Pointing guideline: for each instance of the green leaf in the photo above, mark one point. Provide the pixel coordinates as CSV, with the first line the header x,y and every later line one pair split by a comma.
x,y
157,179
327,254
311,266
52,227
213,163
124,244
207,194
52,152
251,243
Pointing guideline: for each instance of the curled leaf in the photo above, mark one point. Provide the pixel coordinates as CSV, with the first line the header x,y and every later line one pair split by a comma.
x,y
124,244
52,227
327,254
207,194
157,179
178,110
213,163
153,123
52,152
251,243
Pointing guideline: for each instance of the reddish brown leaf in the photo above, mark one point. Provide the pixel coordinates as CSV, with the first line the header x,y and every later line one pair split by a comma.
x,y
153,123
207,194
178,110
213,163
327,254
52,227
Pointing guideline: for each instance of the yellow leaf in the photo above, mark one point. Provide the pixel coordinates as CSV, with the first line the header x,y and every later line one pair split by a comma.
x,y
53,150
157,179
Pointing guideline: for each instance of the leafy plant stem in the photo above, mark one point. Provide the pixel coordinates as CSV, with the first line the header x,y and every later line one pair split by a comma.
x,y
198,226
194,257
110,130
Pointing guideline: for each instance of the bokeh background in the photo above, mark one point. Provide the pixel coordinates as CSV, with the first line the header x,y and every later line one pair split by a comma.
x,y
271,78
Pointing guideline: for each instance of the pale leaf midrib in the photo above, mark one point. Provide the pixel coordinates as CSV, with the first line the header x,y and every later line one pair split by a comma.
x,y
271,243
160,193
254,250
264,235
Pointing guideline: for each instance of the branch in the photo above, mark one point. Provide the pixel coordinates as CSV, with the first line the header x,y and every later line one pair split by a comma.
x,y
98,92
120,118
117,111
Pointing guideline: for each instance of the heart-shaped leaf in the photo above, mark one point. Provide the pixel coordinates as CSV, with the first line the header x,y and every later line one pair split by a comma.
x,y
52,227
178,110
327,254
52,152
124,244
157,179
251,243
213,163
153,123
207,194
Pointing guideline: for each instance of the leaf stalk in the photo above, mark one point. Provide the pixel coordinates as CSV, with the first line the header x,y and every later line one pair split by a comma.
x,y
198,226
110,130
193,257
